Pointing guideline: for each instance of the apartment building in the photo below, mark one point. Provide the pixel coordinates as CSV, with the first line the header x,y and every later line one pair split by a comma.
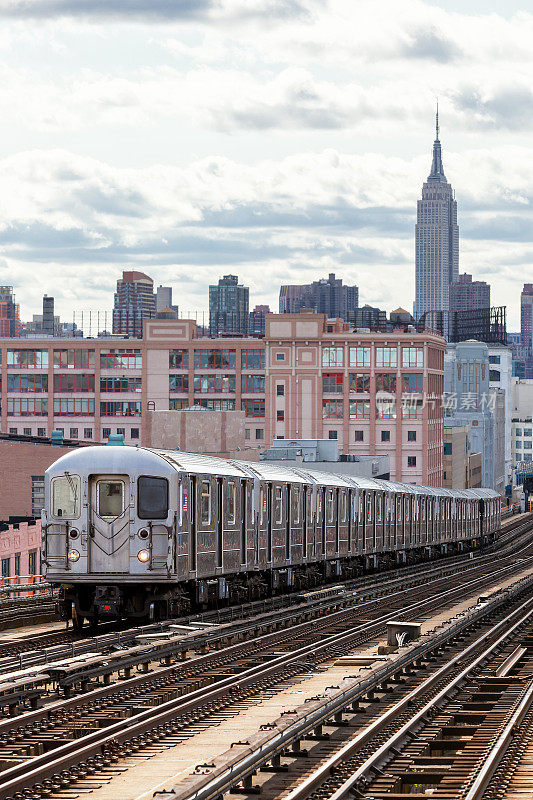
x,y
310,377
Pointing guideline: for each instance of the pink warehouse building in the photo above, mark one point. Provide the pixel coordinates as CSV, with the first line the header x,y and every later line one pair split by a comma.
x,y
309,377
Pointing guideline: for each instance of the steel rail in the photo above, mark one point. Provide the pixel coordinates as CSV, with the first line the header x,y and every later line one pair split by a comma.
x,y
499,748
26,774
246,766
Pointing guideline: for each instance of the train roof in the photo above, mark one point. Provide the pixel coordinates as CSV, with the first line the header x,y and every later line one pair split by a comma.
x,y
102,458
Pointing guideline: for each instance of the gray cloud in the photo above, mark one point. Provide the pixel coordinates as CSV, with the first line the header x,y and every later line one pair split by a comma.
x,y
429,43
153,10
127,9
510,107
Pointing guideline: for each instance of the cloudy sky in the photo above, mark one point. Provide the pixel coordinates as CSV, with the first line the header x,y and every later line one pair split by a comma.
x,y
279,140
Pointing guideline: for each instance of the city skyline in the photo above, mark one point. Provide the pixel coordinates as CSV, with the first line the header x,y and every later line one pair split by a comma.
x,y
162,155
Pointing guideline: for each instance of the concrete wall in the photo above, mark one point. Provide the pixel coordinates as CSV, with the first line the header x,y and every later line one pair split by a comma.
x,y
217,433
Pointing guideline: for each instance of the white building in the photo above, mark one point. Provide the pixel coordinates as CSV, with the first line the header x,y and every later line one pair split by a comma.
x,y
501,377
522,422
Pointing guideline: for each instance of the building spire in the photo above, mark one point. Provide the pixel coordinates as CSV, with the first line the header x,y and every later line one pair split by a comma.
x,y
437,170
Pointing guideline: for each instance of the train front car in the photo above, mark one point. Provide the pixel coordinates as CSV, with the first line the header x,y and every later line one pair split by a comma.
x,y
108,530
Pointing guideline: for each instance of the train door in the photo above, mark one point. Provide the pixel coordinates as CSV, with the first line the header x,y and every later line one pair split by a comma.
x,y
351,507
288,522
269,523
220,524
243,521
400,543
305,520
109,523
370,530
323,524
379,521
192,528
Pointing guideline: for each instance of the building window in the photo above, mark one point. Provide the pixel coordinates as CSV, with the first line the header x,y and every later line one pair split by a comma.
x,y
359,409
385,406
411,436
26,431
252,383
74,359
494,375
412,407
87,433
280,416
27,359
360,382
333,357
332,409
27,383
17,563
385,436
259,433
528,445
494,360
527,431
447,448
6,567
412,356
385,382
32,562
247,433
13,431
280,389
119,360
37,495
280,356
134,433
332,384
412,382
178,405
73,433
360,356
74,383
106,433
119,409
253,408
527,457
358,436
411,461
122,384
252,359
214,384
74,407
215,359
518,431
178,359
386,356
215,405
332,434
22,407
178,383
41,431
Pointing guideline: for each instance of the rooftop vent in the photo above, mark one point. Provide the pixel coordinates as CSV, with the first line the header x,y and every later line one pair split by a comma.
x,y
115,439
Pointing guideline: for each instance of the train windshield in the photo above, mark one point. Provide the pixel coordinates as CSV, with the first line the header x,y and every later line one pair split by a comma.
x,y
66,497
153,498
110,498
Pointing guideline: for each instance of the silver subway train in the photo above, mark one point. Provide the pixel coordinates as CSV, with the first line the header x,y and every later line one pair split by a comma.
x,y
139,532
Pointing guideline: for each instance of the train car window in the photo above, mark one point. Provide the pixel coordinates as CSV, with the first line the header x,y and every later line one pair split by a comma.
x,y
330,506
278,505
262,505
296,505
66,497
342,506
399,509
369,507
407,509
205,502
230,502
111,498
379,513
152,498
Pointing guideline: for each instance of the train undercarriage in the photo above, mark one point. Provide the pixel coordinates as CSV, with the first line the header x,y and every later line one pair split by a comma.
x,y
100,601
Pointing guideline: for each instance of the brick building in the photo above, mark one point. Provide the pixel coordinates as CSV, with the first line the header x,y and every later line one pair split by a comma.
x,y
309,377
135,301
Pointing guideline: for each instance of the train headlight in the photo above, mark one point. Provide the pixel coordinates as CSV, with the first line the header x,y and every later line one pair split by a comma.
x,y
143,534
73,555
143,556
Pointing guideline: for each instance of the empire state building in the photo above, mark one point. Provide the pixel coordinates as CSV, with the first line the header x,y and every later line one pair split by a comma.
x,y
437,241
